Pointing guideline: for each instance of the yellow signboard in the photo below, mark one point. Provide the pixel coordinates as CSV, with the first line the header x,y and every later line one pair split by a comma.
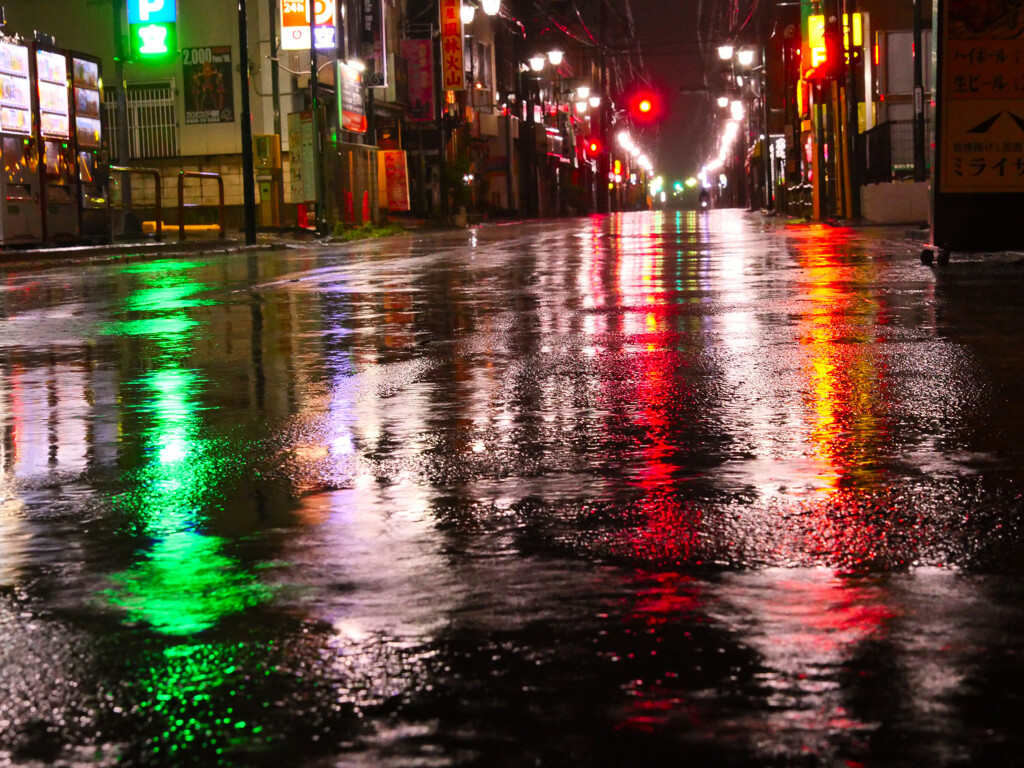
x,y
983,115
816,36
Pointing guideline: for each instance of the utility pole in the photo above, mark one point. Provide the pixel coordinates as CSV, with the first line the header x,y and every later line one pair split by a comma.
x,y
320,218
852,122
439,115
248,166
919,159
604,158
835,52
121,129
275,86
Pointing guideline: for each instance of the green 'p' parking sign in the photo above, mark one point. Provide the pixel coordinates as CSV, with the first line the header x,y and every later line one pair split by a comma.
x,y
152,28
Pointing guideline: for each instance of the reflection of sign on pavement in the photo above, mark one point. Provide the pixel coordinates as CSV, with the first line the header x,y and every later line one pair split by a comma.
x,y
982,105
209,93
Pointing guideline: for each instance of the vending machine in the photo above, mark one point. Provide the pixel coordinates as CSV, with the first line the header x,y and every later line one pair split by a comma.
x,y
93,159
21,218
58,163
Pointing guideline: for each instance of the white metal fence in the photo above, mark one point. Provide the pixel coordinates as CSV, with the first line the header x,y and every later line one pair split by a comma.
x,y
152,123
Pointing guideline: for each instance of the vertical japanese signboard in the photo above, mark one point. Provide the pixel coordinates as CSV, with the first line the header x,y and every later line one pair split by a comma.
x,y
152,28
295,24
300,142
419,56
351,105
982,99
209,94
453,69
372,44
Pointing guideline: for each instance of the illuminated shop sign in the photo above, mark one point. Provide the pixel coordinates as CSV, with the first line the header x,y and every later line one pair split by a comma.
x,y
295,24
152,28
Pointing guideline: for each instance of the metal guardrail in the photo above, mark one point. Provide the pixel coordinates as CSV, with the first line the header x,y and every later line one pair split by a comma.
x,y
155,174
886,152
800,200
181,200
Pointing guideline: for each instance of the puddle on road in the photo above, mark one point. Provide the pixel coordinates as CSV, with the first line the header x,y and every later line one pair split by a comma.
x,y
645,482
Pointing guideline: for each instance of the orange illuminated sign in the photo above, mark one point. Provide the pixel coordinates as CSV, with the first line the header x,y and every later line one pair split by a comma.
x,y
295,24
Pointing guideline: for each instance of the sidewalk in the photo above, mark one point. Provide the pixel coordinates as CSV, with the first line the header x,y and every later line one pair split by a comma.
x,y
906,237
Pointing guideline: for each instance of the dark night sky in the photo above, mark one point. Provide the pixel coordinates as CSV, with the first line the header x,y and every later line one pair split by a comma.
x,y
667,30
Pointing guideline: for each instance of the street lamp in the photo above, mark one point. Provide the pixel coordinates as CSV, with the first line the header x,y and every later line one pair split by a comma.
x,y
745,57
491,7
725,52
583,91
555,57
536,63
723,101
467,12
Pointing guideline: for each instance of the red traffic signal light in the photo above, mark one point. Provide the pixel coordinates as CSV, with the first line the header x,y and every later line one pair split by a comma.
x,y
646,105
592,147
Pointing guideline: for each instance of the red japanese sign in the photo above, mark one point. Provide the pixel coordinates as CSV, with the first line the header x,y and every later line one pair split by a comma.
x,y
393,173
453,69
419,56
351,106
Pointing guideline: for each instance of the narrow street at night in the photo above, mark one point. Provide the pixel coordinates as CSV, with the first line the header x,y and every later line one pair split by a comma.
x,y
643,489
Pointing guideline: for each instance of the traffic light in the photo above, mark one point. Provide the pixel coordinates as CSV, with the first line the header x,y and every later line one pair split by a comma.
x,y
646,105
592,147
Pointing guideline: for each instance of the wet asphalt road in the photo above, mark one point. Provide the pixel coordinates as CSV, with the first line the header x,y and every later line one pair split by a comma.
x,y
652,489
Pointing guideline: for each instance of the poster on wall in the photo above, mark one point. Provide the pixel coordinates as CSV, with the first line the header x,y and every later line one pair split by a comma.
x,y
419,56
393,172
209,94
982,99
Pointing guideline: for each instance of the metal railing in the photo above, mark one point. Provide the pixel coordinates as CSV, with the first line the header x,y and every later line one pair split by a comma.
x,y
800,200
886,152
181,200
149,173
